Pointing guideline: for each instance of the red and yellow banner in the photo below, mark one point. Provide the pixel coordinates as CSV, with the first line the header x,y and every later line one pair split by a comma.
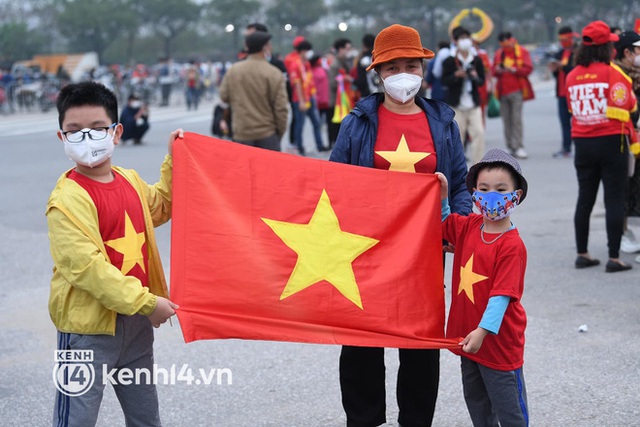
x,y
271,246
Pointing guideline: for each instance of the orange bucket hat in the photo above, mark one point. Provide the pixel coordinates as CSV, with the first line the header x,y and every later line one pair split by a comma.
x,y
397,41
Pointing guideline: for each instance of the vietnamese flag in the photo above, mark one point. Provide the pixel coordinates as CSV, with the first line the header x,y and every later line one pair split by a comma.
x,y
272,246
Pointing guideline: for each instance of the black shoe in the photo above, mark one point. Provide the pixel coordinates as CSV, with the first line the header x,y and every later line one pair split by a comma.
x,y
584,262
614,267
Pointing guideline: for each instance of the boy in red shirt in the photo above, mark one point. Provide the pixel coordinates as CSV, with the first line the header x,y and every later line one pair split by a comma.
x,y
488,281
108,287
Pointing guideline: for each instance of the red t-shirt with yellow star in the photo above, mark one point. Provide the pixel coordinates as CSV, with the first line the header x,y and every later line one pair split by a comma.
x,y
481,271
404,143
121,223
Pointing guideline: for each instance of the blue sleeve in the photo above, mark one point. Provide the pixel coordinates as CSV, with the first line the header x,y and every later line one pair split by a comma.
x,y
459,197
341,151
492,317
430,77
445,210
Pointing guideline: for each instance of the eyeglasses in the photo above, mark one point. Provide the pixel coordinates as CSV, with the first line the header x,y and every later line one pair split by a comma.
x,y
95,134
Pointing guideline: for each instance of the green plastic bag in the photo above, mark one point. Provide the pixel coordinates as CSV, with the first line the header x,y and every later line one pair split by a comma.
x,y
493,107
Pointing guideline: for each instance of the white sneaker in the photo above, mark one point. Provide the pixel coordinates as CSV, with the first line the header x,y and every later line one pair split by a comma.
x,y
638,259
628,243
520,153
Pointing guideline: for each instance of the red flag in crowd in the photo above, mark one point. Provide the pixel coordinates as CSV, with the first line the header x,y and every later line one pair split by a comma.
x,y
272,246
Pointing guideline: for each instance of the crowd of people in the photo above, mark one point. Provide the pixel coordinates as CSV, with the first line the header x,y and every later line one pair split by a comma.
x,y
161,84
375,115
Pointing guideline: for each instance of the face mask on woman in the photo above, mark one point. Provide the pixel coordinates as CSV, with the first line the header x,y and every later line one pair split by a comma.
x,y
402,87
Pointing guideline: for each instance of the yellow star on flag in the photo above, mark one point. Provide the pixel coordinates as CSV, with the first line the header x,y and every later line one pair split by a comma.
x,y
130,246
468,278
325,252
402,159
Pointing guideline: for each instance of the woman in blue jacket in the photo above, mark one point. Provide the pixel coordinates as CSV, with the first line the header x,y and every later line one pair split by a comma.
x,y
396,130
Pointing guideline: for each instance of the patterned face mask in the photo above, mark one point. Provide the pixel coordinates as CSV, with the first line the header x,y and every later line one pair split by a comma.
x,y
493,205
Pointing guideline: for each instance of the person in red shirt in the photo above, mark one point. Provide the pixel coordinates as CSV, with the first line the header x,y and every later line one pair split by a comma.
x,y
512,66
303,94
601,98
487,285
108,289
560,65
398,130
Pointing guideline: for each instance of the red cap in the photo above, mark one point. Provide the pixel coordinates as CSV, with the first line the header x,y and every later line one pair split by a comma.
x,y
597,33
297,41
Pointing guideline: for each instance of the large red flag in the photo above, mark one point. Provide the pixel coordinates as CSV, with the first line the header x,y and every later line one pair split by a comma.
x,y
272,246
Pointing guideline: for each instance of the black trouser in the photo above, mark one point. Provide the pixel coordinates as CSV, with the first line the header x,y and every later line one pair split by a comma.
x,y
166,93
605,159
292,125
136,133
332,128
362,382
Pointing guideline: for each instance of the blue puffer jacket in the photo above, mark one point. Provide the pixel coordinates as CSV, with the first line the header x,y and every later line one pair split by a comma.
x,y
357,138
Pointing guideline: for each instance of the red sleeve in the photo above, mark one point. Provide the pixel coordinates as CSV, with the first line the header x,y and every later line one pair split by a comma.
x,y
496,61
527,65
452,226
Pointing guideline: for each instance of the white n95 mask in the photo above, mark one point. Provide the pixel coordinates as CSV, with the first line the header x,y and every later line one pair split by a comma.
x,y
402,87
88,152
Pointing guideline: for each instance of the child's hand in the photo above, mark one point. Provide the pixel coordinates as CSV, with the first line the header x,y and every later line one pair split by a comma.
x,y
178,133
472,342
444,186
164,309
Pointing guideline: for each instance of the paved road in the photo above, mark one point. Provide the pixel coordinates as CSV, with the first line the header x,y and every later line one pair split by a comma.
x,y
574,379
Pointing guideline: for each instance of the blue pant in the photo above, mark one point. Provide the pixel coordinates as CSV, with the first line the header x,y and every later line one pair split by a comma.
x,y
565,123
193,97
494,396
299,117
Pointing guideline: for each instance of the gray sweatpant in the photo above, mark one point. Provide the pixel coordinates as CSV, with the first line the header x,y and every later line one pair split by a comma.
x,y
511,111
494,396
131,348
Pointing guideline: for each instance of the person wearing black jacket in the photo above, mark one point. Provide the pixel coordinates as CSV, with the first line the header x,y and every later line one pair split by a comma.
x,y
561,64
462,75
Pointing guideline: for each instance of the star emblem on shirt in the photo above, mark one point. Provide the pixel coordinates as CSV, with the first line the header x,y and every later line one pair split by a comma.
x,y
130,246
403,159
468,278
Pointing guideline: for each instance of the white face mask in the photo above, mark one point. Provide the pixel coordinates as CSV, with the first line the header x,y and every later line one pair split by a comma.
x,y
135,104
402,87
88,152
309,54
636,61
465,44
